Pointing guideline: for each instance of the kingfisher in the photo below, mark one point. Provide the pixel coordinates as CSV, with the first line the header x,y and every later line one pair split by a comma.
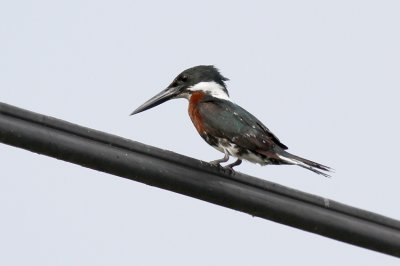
x,y
225,125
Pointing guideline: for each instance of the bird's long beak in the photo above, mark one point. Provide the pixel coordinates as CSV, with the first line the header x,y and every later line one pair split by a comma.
x,y
161,97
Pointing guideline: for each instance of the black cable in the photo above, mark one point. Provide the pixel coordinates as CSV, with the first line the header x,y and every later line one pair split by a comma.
x,y
181,174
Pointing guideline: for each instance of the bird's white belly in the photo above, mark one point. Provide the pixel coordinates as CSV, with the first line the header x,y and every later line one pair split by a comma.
x,y
251,157
239,153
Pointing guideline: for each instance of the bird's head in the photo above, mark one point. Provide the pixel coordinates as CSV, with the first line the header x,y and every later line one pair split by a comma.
x,y
199,78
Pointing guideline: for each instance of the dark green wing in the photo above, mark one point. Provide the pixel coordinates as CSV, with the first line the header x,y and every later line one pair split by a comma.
x,y
224,119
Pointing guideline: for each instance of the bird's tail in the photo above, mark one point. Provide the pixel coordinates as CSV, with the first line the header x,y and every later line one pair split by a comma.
x,y
307,164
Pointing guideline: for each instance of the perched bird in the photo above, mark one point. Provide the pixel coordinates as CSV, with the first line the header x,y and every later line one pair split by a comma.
x,y
225,125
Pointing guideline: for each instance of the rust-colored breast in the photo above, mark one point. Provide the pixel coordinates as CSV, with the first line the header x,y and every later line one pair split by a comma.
x,y
194,114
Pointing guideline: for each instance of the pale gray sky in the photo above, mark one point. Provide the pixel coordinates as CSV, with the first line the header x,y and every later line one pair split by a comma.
x,y
322,75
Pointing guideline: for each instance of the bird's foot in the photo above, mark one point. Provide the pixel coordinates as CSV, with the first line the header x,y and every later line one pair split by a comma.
x,y
229,167
229,170
219,161
217,165
225,169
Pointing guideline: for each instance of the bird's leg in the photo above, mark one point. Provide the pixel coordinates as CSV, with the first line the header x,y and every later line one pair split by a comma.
x,y
235,163
223,160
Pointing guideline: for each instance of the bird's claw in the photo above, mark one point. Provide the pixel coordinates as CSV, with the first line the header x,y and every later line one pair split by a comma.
x,y
216,164
226,169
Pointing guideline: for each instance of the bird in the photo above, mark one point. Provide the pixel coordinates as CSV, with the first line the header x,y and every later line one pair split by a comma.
x,y
225,125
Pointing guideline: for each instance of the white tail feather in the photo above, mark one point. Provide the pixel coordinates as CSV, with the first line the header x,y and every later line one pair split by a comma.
x,y
302,164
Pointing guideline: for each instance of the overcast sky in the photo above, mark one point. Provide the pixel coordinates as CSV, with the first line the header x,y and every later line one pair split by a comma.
x,y
322,75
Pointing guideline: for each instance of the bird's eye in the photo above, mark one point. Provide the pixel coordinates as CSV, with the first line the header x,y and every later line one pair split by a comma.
x,y
183,78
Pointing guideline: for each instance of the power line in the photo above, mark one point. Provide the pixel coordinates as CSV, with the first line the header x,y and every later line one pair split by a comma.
x,y
167,170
